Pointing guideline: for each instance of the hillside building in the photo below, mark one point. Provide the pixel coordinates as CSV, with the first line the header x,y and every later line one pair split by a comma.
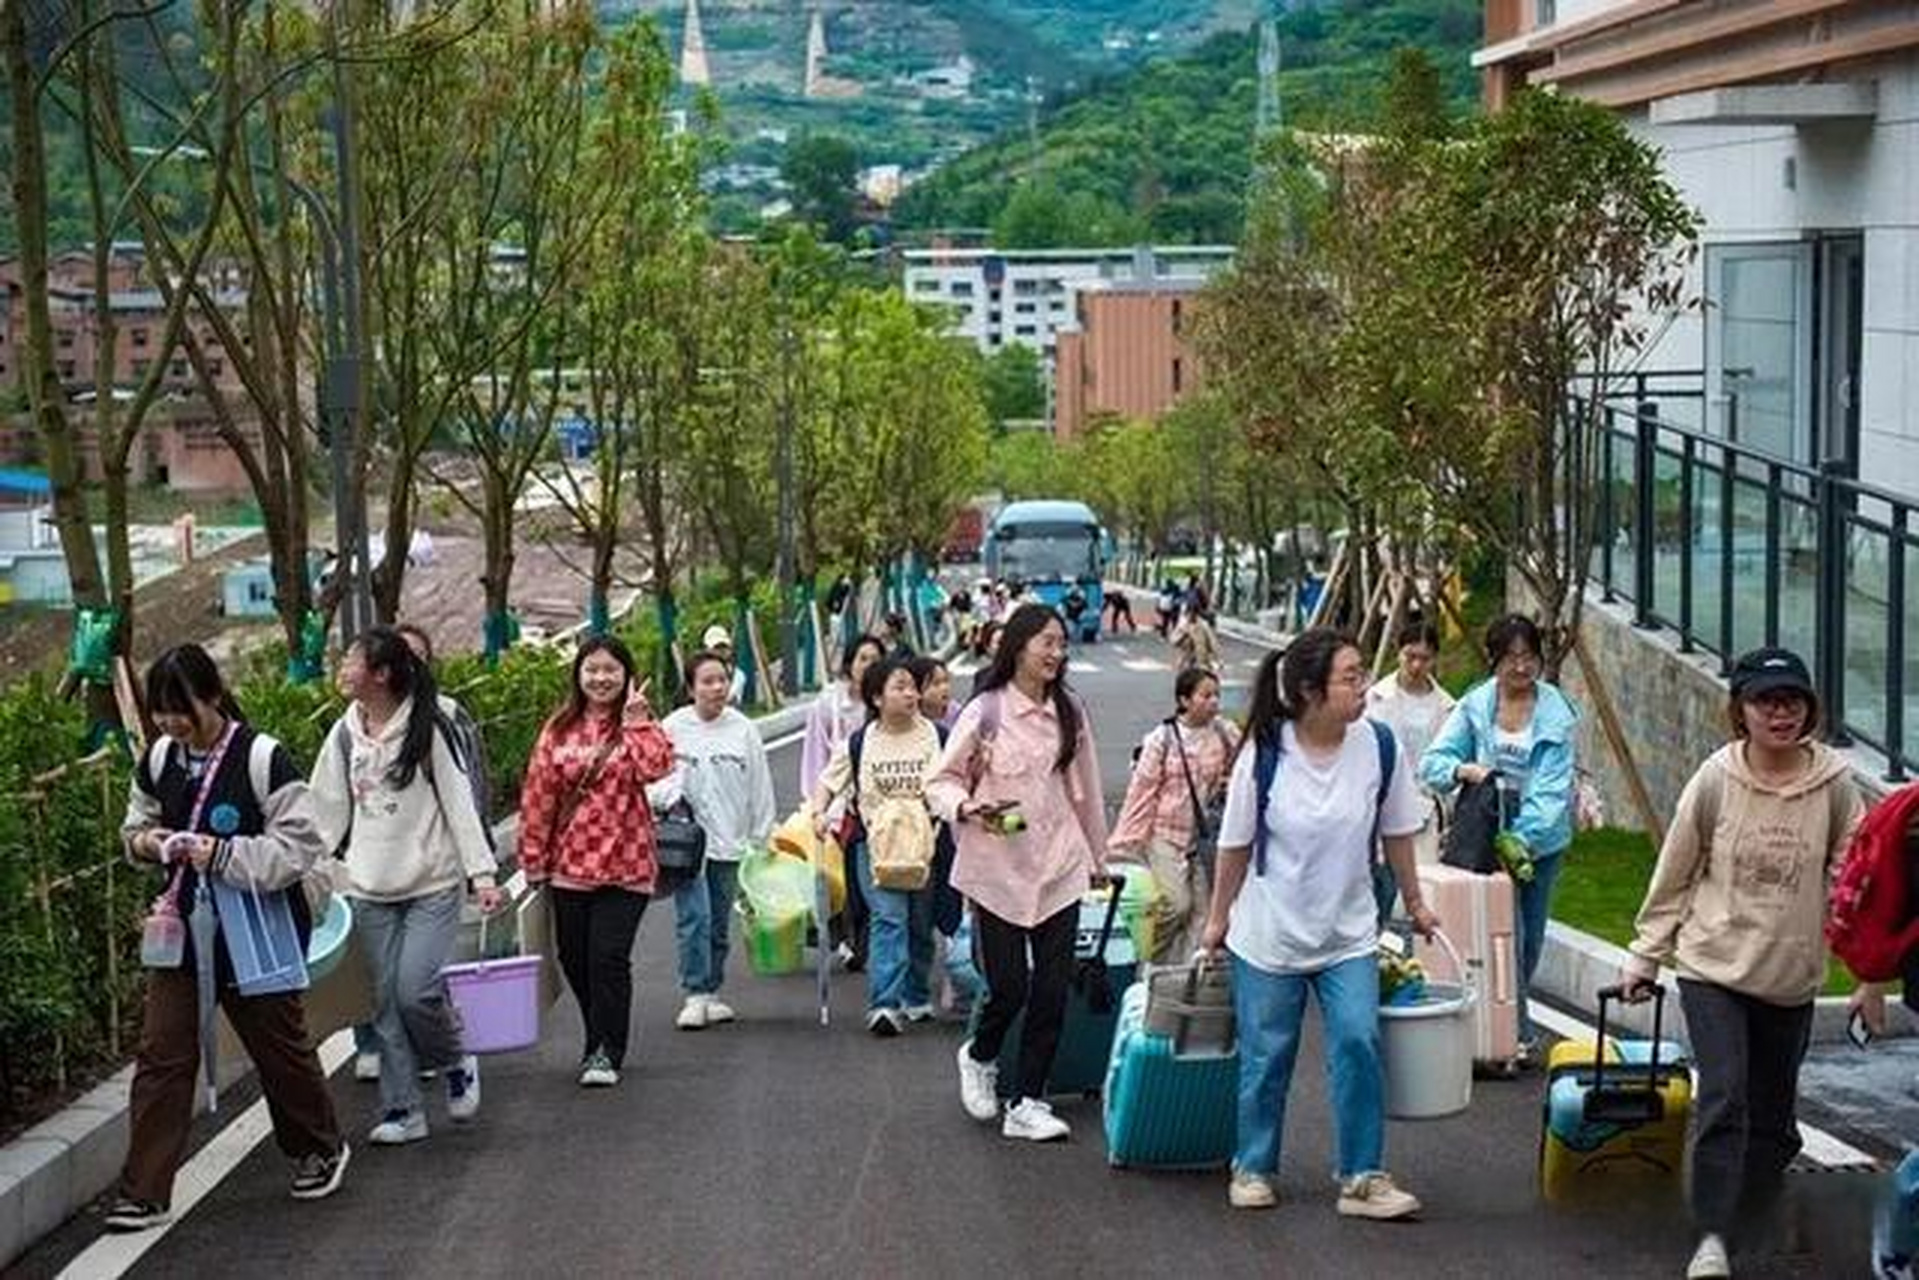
x,y
1026,295
1126,352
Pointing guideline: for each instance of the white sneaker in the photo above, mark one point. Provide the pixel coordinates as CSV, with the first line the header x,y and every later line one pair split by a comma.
x,y
716,1012
692,1014
397,1128
919,1013
1033,1120
1709,1260
463,1089
1251,1191
979,1086
1376,1196
366,1067
884,1023
598,1072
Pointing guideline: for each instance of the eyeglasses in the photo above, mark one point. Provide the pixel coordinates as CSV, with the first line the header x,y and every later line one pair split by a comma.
x,y
1353,680
1519,659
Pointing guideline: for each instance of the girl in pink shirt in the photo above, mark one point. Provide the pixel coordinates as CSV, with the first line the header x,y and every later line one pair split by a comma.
x,y
1171,816
1020,784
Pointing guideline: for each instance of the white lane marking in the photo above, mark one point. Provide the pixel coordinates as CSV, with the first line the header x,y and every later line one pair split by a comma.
x,y
790,739
112,1256
1081,667
1821,1148
1145,665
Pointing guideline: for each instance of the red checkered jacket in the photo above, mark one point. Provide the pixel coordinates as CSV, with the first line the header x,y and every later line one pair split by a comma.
x,y
609,838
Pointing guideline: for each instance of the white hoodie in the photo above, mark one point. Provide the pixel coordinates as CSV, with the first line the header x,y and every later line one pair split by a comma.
x,y
719,766
403,843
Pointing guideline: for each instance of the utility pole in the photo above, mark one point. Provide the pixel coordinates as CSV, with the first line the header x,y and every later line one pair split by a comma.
x,y
786,567
345,385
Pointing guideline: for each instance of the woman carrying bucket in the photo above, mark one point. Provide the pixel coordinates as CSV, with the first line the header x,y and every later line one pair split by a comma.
x,y
1021,785
720,770
390,789
1169,812
835,715
203,811
1293,903
587,830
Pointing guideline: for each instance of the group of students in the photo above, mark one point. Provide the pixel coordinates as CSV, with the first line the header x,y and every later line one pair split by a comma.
x,y
1279,844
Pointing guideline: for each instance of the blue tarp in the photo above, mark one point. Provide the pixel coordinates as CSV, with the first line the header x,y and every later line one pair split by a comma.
x,y
18,480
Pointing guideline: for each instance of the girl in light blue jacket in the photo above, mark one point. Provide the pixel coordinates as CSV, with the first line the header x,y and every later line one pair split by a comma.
x,y
1521,727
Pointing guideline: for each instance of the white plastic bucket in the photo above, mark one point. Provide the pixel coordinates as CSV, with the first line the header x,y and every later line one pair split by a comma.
x,y
1428,1048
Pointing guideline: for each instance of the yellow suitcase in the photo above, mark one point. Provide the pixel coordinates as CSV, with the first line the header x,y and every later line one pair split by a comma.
x,y
1615,1123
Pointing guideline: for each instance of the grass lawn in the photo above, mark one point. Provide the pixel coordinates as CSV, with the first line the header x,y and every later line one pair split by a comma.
x,y
1604,880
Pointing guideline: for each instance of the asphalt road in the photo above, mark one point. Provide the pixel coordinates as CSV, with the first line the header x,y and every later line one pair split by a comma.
x,y
776,1147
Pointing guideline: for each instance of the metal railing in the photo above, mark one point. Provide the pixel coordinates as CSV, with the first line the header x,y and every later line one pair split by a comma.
x,y
1733,547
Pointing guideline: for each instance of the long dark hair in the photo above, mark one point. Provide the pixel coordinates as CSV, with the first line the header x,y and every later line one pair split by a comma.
x,y
184,675
852,651
1026,622
1289,679
575,709
407,676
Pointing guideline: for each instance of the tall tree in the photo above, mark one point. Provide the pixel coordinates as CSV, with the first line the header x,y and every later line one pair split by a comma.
x,y
821,172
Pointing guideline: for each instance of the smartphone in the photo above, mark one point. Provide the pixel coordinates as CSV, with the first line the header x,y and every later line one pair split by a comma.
x,y
1857,1031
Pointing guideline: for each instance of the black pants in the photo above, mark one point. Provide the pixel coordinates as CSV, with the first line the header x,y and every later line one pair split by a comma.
x,y
594,931
1039,987
1745,1121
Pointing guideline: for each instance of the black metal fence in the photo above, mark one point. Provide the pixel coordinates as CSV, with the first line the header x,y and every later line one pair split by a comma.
x,y
1733,547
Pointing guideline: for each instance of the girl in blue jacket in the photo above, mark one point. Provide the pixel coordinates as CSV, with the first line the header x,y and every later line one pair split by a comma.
x,y
1521,727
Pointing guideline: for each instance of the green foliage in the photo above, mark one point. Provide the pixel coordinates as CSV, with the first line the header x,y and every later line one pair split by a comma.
x,y
1166,151
822,178
1013,383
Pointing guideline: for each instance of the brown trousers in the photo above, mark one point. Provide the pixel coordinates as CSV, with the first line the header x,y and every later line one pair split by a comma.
x,y
273,1029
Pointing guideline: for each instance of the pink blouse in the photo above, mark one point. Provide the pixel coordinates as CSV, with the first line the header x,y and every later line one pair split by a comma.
x,y
1034,875
1159,804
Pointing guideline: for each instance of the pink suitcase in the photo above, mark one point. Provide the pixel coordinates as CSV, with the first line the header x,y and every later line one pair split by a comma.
x,y
1477,913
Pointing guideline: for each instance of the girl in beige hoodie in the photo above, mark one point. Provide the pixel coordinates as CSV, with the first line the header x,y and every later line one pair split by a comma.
x,y
1736,906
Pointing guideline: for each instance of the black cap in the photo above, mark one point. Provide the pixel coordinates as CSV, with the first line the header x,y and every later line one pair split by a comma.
x,y
1766,671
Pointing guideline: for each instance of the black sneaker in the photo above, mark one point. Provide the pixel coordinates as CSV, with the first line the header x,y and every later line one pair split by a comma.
x,y
137,1215
317,1177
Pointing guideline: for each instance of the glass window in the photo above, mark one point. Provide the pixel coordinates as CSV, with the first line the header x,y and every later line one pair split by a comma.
x,y
1759,346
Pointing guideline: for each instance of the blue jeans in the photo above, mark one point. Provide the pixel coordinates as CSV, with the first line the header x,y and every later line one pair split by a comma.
x,y
702,918
899,941
1270,1008
1535,908
962,974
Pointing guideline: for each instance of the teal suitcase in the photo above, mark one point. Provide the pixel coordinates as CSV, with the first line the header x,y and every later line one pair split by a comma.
x,y
1164,1110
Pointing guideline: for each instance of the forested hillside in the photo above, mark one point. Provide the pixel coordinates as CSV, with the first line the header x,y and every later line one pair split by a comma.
x,y
1164,152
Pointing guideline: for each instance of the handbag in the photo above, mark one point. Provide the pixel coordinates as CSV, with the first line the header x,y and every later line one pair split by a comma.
x,y
1206,818
1192,1005
679,847
1479,815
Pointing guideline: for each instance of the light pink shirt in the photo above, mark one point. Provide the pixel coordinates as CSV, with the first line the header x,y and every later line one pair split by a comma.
x,y
1159,804
1034,875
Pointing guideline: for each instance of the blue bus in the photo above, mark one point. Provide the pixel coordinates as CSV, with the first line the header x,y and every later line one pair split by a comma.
x,y
1057,549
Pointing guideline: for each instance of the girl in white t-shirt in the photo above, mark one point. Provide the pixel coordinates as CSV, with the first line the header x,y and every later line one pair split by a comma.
x,y
1413,705
1293,903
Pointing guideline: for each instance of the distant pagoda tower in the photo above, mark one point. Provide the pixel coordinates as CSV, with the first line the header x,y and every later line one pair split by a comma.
x,y
1268,121
693,67
818,83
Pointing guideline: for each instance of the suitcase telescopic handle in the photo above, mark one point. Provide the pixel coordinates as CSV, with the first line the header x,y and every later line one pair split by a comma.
x,y
1607,995
1112,912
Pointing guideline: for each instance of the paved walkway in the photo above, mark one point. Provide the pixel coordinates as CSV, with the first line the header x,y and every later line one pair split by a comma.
x,y
776,1148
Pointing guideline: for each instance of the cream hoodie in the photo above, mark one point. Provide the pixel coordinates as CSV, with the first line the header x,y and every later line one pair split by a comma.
x,y
402,843
1739,896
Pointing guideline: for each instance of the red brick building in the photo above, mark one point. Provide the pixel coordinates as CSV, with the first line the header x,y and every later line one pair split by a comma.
x,y
1127,352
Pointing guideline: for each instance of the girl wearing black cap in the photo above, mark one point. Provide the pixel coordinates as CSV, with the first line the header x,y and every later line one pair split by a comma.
x,y
1737,907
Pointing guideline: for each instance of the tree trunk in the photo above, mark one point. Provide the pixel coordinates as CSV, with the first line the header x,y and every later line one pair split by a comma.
x,y
389,576
497,577
38,374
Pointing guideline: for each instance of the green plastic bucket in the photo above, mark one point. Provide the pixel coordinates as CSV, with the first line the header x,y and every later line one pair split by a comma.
x,y
775,944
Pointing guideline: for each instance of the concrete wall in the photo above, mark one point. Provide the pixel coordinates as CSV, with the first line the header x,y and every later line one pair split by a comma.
x,y
1671,706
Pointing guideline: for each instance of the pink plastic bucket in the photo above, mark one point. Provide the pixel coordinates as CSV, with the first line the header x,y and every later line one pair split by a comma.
x,y
499,1002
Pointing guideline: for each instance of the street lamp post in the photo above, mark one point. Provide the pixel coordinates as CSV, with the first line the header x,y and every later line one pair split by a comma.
x,y
339,381
786,563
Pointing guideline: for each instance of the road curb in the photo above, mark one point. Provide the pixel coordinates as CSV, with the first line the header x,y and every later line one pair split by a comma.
x,y
1575,965
61,1165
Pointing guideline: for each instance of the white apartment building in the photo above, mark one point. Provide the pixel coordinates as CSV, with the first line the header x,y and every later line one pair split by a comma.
x,y
1025,296
1794,129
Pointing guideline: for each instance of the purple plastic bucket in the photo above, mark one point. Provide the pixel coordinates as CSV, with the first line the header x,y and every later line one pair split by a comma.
x,y
499,1002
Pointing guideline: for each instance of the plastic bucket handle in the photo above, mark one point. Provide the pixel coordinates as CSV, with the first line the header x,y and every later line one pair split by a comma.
x,y
1459,966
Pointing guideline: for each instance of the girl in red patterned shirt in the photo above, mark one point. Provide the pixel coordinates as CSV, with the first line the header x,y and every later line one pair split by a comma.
x,y
587,832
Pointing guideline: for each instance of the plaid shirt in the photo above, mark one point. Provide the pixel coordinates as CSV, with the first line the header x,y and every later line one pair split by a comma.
x,y
609,839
